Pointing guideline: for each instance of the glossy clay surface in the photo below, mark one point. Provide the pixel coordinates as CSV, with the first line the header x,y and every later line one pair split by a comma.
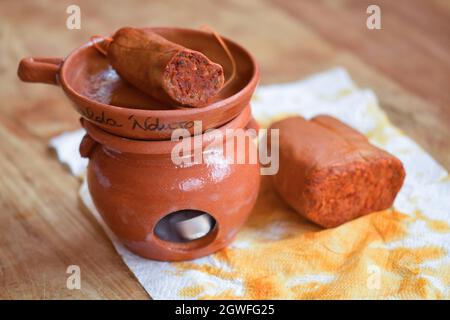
x,y
133,191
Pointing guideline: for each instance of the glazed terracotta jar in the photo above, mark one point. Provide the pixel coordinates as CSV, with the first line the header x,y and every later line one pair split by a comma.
x,y
158,209
135,185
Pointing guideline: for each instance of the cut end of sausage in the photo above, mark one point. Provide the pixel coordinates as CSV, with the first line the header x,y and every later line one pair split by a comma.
x,y
336,195
191,79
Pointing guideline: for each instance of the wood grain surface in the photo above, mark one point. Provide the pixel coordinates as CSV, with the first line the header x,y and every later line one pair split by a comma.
x,y
43,226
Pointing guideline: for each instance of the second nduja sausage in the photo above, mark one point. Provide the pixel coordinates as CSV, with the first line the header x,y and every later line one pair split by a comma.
x,y
330,173
165,70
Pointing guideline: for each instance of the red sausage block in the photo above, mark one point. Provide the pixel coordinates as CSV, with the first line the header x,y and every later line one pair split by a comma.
x,y
165,70
330,173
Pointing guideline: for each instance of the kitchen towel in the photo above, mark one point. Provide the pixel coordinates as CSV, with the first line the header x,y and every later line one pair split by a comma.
x,y
400,253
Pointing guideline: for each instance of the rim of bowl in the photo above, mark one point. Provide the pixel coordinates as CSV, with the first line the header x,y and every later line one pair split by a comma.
x,y
162,113
158,147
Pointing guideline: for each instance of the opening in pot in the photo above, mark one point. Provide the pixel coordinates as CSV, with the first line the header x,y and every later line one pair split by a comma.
x,y
187,229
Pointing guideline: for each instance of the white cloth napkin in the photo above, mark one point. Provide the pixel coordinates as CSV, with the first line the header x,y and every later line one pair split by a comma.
x,y
427,186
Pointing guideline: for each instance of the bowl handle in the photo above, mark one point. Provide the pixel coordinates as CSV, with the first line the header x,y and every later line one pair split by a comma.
x,y
87,145
43,70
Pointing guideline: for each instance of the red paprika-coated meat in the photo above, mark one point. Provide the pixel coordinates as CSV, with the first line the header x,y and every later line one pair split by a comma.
x,y
330,173
165,70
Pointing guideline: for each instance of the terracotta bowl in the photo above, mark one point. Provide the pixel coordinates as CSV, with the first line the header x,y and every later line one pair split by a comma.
x,y
103,98
136,187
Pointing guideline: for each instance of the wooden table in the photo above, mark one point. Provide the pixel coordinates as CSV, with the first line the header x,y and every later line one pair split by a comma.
x,y
43,227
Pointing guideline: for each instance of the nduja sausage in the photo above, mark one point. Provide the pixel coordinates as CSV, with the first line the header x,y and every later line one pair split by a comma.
x,y
330,173
163,69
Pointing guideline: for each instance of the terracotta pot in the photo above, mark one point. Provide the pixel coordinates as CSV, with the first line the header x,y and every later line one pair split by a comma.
x,y
101,97
135,185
